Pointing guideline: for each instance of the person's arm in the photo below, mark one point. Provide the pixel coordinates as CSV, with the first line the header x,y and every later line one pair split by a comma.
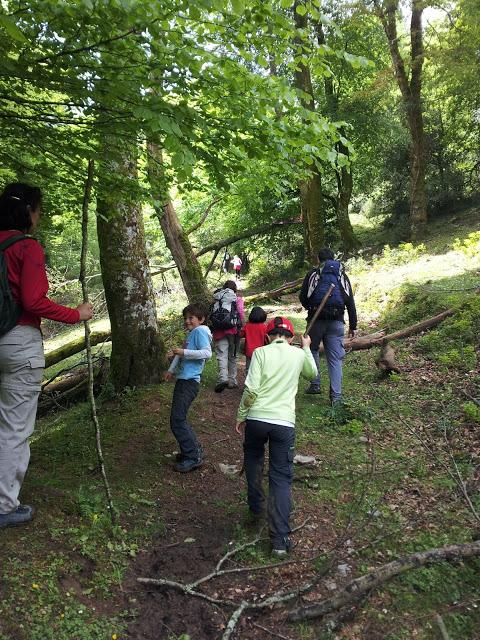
x,y
302,296
252,385
309,368
349,304
34,289
202,349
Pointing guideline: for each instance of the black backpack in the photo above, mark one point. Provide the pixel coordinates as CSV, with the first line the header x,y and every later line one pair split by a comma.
x,y
224,316
10,311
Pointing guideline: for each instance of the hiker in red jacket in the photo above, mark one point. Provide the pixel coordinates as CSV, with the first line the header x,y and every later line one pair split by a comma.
x,y
22,359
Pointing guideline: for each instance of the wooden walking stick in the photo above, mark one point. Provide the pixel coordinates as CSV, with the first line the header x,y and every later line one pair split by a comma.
x,y
318,310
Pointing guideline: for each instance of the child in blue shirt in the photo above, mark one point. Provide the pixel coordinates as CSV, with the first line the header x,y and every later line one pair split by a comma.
x,y
187,366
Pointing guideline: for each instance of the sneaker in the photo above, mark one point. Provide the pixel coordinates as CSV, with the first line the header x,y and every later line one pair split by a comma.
x,y
221,386
188,464
281,547
22,514
232,385
313,389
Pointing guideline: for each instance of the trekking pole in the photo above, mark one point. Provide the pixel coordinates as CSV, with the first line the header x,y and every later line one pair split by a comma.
x,y
318,310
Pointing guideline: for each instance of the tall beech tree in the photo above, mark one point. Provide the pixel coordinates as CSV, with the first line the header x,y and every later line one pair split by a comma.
x,y
410,85
311,198
138,355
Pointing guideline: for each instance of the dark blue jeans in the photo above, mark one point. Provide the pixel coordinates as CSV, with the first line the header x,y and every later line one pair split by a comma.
x,y
184,394
281,440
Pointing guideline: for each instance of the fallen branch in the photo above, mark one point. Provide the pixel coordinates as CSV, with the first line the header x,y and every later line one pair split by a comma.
x,y
357,588
232,623
75,346
285,289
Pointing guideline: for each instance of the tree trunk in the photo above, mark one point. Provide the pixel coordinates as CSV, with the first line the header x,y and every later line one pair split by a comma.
x,y
175,236
311,198
138,355
418,202
344,174
312,210
345,188
411,91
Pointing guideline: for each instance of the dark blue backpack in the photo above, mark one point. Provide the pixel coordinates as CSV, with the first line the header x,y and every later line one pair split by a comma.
x,y
318,284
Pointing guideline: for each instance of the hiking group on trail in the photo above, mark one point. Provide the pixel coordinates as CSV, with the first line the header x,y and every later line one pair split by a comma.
x,y
266,413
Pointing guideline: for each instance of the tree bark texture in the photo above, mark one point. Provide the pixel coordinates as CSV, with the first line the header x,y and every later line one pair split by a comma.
x,y
138,354
344,176
411,90
176,237
312,204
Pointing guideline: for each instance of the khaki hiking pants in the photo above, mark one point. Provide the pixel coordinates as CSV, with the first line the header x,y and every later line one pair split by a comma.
x,y
21,370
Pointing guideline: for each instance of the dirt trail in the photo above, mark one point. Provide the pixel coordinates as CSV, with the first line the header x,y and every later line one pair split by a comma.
x,y
204,512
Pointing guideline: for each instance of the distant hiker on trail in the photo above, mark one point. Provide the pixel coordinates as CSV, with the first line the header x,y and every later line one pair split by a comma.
x,y
227,258
187,366
267,413
237,266
329,327
254,332
23,302
226,318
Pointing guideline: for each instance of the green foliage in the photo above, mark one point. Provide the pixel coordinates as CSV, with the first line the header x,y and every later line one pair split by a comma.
x,y
470,245
471,411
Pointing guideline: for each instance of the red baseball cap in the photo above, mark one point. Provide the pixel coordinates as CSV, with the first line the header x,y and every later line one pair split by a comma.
x,y
280,323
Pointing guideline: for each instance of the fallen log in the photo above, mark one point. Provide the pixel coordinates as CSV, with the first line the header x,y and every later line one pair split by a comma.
x,y
360,587
367,342
74,346
285,289
69,388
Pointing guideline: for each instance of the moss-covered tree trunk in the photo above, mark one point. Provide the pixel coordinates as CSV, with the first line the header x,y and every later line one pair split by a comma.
x,y
411,90
175,236
311,198
138,354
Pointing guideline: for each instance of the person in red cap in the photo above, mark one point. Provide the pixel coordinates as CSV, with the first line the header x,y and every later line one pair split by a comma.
x,y
267,414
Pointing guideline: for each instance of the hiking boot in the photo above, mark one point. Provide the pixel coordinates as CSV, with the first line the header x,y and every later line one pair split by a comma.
x,y
188,464
255,520
22,514
179,456
221,386
281,547
313,389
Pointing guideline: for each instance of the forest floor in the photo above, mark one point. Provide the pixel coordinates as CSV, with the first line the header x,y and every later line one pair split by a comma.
x,y
387,481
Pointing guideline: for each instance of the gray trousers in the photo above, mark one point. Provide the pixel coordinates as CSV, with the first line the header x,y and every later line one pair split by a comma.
x,y
21,370
227,350
331,333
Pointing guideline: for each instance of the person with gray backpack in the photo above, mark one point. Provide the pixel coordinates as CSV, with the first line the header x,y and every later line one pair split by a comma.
x,y
23,302
225,320
329,327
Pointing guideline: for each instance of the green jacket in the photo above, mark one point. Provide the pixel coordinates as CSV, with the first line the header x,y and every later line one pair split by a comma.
x,y
272,381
